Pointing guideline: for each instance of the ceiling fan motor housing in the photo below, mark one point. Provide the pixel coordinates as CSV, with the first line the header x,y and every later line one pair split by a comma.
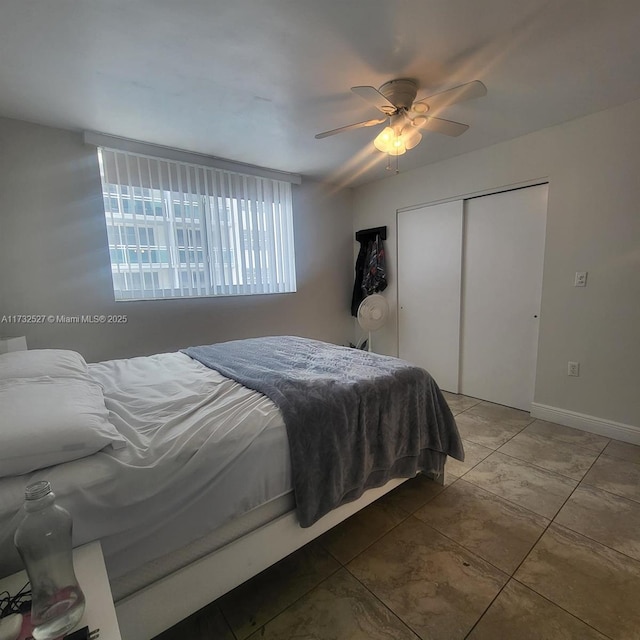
x,y
400,92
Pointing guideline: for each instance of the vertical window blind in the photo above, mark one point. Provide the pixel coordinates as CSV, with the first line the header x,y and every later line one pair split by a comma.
x,y
178,229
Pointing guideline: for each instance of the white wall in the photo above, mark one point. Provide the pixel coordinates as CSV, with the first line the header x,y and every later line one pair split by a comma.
x,y
54,260
593,225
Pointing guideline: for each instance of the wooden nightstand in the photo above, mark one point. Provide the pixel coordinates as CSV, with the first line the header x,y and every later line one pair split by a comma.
x,y
92,576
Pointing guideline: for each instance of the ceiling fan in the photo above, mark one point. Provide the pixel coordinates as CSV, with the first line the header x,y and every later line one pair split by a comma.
x,y
406,115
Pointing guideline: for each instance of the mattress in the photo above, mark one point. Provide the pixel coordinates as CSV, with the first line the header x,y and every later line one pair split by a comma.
x,y
146,574
202,451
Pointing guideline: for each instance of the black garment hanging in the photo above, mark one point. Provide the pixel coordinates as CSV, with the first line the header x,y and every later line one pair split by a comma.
x,y
371,274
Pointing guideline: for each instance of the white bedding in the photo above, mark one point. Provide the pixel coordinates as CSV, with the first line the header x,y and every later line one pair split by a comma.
x,y
201,451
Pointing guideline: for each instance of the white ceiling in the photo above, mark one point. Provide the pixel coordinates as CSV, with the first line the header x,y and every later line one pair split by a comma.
x,y
255,80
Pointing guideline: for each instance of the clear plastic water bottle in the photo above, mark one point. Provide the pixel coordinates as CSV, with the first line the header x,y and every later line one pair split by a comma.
x,y
43,539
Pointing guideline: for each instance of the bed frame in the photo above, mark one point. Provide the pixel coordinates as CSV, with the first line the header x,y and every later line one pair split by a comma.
x,y
155,608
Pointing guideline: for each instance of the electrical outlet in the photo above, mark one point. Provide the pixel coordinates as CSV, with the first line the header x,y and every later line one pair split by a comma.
x,y
573,369
581,279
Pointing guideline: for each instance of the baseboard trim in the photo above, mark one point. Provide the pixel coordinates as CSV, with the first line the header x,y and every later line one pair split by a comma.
x,y
607,428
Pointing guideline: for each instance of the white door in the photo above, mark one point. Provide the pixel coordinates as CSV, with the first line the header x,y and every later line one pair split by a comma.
x,y
429,280
503,254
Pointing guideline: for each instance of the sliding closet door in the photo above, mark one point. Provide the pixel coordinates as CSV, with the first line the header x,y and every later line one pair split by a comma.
x,y
502,289
429,277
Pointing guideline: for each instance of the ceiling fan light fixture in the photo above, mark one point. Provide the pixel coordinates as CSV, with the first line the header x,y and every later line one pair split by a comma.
x,y
391,141
420,107
418,121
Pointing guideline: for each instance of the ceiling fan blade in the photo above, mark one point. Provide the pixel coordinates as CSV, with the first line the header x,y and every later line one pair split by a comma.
x,y
468,91
357,125
439,125
374,97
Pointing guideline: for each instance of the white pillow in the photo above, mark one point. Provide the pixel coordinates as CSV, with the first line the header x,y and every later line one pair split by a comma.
x,y
46,421
57,363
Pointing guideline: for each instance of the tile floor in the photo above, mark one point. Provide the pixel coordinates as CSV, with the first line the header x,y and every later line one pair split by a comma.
x,y
535,536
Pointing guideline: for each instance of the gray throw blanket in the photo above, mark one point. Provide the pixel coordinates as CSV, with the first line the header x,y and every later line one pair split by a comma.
x,y
354,419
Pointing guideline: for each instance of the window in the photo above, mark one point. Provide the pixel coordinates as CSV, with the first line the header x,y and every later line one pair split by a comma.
x,y
178,229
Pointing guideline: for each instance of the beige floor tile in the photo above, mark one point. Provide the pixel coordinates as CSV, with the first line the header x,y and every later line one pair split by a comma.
x,y
566,459
473,454
356,533
458,403
538,490
616,476
413,493
434,585
623,450
549,431
340,608
596,584
520,614
202,625
255,602
500,413
484,431
609,519
498,531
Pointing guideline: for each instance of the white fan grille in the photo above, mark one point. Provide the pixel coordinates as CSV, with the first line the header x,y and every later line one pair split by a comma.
x,y
373,312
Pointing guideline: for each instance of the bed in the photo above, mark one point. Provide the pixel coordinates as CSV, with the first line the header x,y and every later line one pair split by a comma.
x,y
197,481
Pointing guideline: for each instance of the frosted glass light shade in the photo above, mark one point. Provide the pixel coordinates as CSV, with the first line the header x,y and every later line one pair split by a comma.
x,y
391,142
384,139
397,146
411,137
